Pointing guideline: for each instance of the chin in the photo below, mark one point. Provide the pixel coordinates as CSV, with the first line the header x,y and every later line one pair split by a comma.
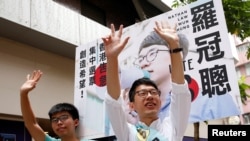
x,y
152,113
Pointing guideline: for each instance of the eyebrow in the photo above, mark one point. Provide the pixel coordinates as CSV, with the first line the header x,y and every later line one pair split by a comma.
x,y
152,49
53,117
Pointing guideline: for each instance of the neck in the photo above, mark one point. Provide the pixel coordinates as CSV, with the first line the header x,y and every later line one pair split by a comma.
x,y
148,120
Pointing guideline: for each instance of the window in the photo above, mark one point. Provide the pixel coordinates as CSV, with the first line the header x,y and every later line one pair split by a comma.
x,y
247,69
246,118
238,73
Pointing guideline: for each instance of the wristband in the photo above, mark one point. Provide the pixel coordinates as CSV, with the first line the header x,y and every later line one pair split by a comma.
x,y
176,50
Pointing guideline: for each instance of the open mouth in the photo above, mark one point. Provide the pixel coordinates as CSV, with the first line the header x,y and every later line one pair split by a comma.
x,y
150,104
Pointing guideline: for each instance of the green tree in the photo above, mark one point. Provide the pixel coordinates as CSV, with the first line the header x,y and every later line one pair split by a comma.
x,y
237,16
243,87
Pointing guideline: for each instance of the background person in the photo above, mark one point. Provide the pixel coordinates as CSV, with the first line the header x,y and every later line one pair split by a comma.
x,y
64,117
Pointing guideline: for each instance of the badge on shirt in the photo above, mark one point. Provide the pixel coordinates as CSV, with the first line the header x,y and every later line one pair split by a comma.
x,y
142,134
145,133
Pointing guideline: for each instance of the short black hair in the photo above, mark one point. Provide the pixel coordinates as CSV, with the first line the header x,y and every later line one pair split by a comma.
x,y
64,107
152,39
138,82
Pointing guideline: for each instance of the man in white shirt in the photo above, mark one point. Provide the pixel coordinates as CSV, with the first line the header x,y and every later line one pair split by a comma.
x,y
144,94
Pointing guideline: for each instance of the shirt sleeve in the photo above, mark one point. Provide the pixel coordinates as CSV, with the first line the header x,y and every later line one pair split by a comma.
x,y
179,111
117,118
49,138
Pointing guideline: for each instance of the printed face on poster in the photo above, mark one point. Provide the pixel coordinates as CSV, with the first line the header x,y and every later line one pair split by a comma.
x,y
208,65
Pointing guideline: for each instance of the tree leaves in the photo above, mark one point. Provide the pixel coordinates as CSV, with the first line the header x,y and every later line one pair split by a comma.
x,y
243,87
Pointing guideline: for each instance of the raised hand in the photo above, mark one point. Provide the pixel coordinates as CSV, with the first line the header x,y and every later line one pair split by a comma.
x,y
167,33
113,44
31,81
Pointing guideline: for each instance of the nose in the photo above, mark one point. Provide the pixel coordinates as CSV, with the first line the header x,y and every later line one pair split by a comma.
x,y
144,64
59,121
149,95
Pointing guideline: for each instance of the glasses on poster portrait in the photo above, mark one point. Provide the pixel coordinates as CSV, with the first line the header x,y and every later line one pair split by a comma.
x,y
149,57
61,118
144,93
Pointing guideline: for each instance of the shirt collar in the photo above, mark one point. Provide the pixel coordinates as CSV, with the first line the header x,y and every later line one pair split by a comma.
x,y
154,124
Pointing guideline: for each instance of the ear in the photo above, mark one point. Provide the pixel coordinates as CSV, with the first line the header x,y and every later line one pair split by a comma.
x,y
76,122
131,106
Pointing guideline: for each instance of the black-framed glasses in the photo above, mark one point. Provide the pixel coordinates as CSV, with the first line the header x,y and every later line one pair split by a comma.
x,y
150,56
144,92
61,118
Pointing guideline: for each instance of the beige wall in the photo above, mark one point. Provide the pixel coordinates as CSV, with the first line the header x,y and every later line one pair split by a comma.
x,y
16,61
55,27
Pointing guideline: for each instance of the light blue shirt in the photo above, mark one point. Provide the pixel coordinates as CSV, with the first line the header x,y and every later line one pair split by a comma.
x,y
164,111
204,108
216,107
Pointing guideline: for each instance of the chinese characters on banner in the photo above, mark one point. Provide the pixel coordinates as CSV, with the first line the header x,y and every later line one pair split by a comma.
x,y
209,68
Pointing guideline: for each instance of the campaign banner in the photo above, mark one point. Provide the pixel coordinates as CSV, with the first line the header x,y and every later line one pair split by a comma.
x,y
208,65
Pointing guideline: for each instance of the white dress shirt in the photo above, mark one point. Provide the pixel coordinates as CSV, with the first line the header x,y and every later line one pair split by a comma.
x,y
172,127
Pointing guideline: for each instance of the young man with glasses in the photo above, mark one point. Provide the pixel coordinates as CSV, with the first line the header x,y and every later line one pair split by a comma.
x,y
144,94
64,117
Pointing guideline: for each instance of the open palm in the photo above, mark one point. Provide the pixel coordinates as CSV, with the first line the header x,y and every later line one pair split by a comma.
x,y
31,81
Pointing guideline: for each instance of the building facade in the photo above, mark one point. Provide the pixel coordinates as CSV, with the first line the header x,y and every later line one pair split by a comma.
x,y
243,69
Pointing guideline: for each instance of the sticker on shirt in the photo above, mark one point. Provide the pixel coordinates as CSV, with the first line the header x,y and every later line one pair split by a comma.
x,y
148,134
142,134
